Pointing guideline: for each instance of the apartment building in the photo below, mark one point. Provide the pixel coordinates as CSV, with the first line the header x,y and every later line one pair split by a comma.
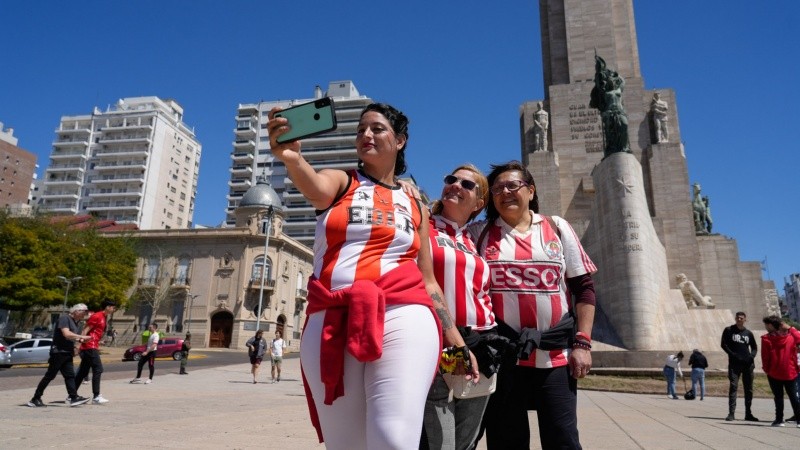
x,y
17,171
137,162
791,290
251,155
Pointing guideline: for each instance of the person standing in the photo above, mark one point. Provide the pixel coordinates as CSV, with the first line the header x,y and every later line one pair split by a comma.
x,y
779,361
61,353
276,355
90,350
185,347
540,282
256,349
740,345
149,357
699,363
671,366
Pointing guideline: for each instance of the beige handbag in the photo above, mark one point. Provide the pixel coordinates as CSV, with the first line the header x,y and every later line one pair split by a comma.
x,y
463,388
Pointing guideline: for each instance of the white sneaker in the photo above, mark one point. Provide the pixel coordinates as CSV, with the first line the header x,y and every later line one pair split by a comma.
x,y
148,381
99,400
136,380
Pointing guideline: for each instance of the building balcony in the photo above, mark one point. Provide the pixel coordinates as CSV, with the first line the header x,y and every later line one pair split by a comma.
x,y
242,171
73,131
138,165
62,182
100,194
127,126
244,145
245,183
242,157
124,139
71,143
116,152
61,155
245,131
301,294
58,195
255,283
70,208
108,206
67,167
115,179
180,282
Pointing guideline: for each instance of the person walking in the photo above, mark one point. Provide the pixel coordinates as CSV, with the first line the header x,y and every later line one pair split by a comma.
x,y
185,347
699,363
149,357
61,353
740,345
779,361
90,350
671,366
276,355
256,349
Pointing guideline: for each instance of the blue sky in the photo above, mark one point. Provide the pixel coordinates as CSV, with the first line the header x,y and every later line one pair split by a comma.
x,y
460,70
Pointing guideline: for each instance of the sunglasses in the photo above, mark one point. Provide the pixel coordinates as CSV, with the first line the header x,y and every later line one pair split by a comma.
x,y
466,184
512,186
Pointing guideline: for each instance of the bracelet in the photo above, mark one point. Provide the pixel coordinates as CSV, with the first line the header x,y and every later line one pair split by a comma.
x,y
582,344
581,336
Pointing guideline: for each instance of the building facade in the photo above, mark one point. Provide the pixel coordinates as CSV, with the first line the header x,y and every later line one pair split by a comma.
x,y
791,290
137,162
17,171
251,155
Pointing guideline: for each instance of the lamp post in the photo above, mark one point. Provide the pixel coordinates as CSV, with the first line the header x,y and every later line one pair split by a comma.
x,y
68,282
191,299
267,228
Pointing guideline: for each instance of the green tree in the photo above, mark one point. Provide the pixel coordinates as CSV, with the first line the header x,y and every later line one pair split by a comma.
x,y
34,251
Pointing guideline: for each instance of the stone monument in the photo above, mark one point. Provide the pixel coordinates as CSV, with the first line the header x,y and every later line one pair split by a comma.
x,y
541,123
631,206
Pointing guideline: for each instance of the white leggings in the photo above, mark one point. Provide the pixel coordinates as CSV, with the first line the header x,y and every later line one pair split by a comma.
x,y
384,400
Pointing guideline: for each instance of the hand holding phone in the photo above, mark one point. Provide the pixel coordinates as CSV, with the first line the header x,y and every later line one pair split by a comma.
x,y
308,119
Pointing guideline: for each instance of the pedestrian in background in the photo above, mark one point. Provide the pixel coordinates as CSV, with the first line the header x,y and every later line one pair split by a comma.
x,y
61,353
276,355
699,363
185,347
671,366
256,349
740,345
149,357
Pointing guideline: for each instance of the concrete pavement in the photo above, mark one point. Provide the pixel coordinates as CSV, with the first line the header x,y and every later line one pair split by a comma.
x,y
222,408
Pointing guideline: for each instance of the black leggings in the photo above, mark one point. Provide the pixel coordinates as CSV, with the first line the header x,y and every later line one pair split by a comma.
x,y
150,360
90,359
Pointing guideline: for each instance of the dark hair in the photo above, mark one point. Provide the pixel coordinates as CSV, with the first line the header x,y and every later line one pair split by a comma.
x,y
497,170
106,303
775,321
155,325
679,355
740,313
399,123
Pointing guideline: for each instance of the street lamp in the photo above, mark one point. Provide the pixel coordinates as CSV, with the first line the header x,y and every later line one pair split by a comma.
x,y
191,299
267,225
68,282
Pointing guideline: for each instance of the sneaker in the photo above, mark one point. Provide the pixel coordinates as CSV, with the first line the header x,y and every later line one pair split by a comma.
x,y
675,397
136,380
751,418
778,423
36,403
278,380
792,419
148,381
99,400
729,418
78,401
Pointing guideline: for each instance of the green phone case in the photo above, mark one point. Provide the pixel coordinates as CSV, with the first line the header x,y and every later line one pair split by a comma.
x,y
308,119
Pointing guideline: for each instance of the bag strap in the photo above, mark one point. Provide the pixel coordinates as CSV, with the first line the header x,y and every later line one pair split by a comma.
x,y
553,225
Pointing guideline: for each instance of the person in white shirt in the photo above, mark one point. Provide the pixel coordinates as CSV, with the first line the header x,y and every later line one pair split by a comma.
x,y
276,355
672,365
149,356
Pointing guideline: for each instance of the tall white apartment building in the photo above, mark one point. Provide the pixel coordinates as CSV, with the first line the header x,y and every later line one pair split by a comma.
x,y
137,162
252,157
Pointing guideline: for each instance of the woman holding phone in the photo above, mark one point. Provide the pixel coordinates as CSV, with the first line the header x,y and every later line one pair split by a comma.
x,y
371,342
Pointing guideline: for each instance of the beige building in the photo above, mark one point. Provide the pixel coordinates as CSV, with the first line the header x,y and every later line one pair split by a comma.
x,y
137,162
211,281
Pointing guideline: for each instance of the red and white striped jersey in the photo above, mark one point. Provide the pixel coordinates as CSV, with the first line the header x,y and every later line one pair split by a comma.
x,y
462,274
368,231
528,272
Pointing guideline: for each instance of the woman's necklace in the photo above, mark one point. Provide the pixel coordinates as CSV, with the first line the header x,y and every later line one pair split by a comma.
x,y
380,198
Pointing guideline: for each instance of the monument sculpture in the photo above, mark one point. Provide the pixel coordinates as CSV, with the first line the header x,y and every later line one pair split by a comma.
x,y
691,294
702,217
541,122
606,97
709,223
658,109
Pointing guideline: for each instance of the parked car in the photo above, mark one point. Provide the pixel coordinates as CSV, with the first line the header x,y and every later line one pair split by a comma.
x,y
29,351
166,347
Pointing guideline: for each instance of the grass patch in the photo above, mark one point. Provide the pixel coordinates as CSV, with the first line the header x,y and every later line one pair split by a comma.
x,y
716,386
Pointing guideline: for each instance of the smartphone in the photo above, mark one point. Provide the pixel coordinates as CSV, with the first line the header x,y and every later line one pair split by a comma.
x,y
308,119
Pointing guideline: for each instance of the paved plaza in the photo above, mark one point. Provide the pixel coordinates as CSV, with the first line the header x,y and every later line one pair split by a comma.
x,y
221,408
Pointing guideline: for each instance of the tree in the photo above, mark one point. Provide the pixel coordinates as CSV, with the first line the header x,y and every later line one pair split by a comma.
x,y
34,251
163,283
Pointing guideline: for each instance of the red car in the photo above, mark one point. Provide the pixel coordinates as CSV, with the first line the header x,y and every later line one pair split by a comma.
x,y
167,346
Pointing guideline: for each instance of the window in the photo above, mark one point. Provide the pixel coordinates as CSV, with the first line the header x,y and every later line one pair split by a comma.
x,y
257,265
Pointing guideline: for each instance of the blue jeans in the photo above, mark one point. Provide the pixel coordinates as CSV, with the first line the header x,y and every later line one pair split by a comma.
x,y
450,424
699,376
669,374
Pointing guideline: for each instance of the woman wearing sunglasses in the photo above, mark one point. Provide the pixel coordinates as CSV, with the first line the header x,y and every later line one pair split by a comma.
x,y
535,263
464,278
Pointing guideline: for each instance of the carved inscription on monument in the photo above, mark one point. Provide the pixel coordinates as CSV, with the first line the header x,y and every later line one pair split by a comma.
x,y
629,234
584,124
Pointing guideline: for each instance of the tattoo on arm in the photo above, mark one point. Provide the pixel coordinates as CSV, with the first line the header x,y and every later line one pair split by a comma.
x,y
441,310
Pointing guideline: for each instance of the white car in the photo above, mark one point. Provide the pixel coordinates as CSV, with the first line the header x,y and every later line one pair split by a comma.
x,y
29,351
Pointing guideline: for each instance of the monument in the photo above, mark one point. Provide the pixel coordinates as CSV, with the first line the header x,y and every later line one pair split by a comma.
x,y
617,170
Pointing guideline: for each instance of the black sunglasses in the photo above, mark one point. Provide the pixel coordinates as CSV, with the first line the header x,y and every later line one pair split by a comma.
x,y
466,184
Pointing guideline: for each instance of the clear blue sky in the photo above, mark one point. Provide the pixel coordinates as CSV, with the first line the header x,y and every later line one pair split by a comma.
x,y
460,70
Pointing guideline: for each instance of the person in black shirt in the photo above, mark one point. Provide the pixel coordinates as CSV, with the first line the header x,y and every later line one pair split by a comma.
x,y
699,363
61,353
740,345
